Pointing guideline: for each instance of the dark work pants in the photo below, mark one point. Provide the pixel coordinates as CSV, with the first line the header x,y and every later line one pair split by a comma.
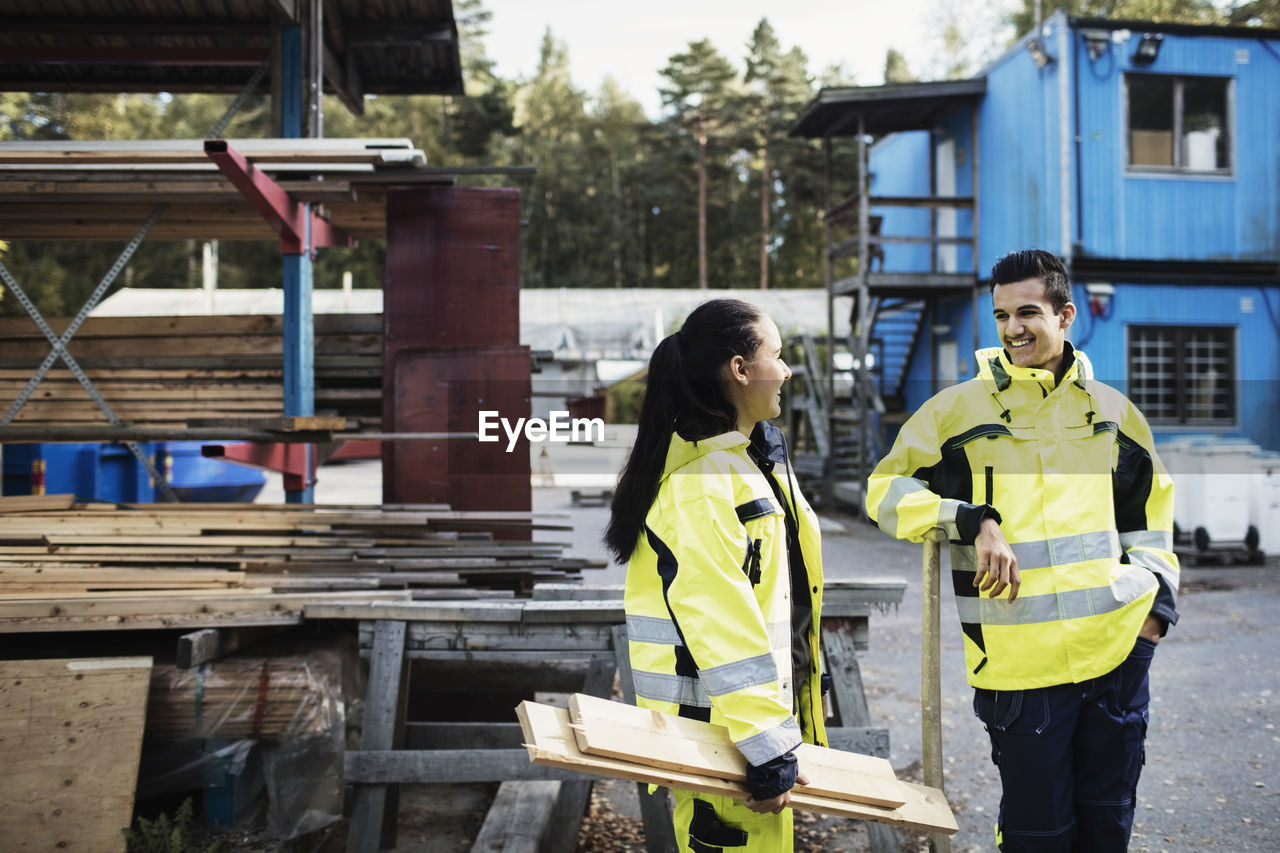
x,y
1069,758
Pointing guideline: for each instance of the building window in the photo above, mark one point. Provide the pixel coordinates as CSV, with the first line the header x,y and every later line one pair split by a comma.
x,y
1183,374
1179,123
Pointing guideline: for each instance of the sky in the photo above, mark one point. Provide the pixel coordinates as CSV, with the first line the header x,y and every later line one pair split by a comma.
x,y
632,41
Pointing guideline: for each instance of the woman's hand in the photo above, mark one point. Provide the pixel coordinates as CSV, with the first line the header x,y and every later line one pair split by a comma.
x,y
778,803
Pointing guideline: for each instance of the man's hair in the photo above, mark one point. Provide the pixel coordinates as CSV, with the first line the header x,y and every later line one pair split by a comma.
x,y
1035,263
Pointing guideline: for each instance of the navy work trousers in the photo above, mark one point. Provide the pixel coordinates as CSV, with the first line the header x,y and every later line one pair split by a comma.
x,y
1069,758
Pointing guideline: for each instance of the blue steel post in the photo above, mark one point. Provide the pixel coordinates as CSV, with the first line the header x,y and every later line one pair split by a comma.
x,y
299,351
299,348
291,82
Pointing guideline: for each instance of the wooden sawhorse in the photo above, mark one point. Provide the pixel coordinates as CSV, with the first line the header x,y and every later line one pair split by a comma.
x,y
551,638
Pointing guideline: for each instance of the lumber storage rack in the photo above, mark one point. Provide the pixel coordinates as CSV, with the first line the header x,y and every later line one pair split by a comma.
x,y
568,638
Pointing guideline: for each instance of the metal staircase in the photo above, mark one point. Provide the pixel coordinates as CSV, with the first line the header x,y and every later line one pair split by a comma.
x,y
895,330
823,427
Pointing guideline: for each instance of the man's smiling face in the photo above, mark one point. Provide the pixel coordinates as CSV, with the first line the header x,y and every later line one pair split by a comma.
x,y
1030,330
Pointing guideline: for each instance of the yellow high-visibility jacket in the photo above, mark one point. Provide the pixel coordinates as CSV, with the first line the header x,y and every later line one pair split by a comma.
x,y
708,597
1081,496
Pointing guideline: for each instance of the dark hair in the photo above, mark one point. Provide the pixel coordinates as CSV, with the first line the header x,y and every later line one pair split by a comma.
x,y
1035,263
683,393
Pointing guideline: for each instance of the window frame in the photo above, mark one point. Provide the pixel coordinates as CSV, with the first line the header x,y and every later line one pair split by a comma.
x,y
1177,169
1181,404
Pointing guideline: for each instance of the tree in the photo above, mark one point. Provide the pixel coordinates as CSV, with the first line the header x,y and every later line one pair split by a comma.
x,y
1255,13
1164,11
698,90
895,68
618,126
778,88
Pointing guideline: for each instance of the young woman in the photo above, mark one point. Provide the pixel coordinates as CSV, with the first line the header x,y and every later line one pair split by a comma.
x,y
724,577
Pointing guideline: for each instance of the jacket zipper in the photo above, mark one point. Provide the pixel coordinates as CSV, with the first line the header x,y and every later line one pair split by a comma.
x,y
990,496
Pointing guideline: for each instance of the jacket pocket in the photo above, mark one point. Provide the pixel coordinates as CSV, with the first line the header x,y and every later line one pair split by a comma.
x,y
707,832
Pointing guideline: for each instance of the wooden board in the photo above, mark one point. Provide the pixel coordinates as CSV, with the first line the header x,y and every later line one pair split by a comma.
x,y
550,740
70,740
36,503
616,730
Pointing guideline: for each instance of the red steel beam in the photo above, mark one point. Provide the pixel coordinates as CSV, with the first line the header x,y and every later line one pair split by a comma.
x,y
287,217
206,56
291,460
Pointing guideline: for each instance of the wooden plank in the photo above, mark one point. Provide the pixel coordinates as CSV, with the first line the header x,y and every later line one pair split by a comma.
x,y
369,768
520,818
577,592
616,730
168,611
383,703
36,503
551,742
846,678
70,741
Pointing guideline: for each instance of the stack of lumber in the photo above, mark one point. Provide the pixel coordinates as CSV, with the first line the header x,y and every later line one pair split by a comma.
x,y
624,742
88,566
70,741
277,698
171,371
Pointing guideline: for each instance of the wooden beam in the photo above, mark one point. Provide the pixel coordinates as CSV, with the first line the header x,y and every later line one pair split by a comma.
x,y
162,56
347,89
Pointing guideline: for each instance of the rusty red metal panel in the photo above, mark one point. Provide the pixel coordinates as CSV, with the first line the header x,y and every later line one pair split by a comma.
x,y
445,391
453,268
451,346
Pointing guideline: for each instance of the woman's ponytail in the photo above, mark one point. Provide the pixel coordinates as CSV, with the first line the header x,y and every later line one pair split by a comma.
x,y
683,394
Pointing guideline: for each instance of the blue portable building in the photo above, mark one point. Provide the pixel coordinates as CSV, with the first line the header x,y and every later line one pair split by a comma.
x,y
1146,155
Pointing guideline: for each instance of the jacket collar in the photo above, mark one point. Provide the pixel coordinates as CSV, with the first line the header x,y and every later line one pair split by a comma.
x,y
996,368
765,438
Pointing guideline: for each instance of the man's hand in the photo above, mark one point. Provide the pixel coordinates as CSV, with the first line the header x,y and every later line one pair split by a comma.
x,y
997,567
1151,628
778,803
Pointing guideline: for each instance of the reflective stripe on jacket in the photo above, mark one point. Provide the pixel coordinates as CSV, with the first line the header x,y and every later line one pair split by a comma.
x,y
708,598
1083,500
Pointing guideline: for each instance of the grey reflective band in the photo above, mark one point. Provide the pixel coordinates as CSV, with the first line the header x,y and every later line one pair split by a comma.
x,y
1155,563
769,744
1162,539
1045,553
664,687
887,512
1057,607
659,631
651,629
739,675
947,517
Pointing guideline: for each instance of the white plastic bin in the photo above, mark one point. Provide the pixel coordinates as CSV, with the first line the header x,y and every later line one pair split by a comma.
x,y
1264,509
1213,481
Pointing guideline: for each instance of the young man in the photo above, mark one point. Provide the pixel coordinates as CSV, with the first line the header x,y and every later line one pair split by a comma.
x,y
1060,516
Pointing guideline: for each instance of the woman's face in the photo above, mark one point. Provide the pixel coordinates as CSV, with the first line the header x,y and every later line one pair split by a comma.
x,y
756,383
